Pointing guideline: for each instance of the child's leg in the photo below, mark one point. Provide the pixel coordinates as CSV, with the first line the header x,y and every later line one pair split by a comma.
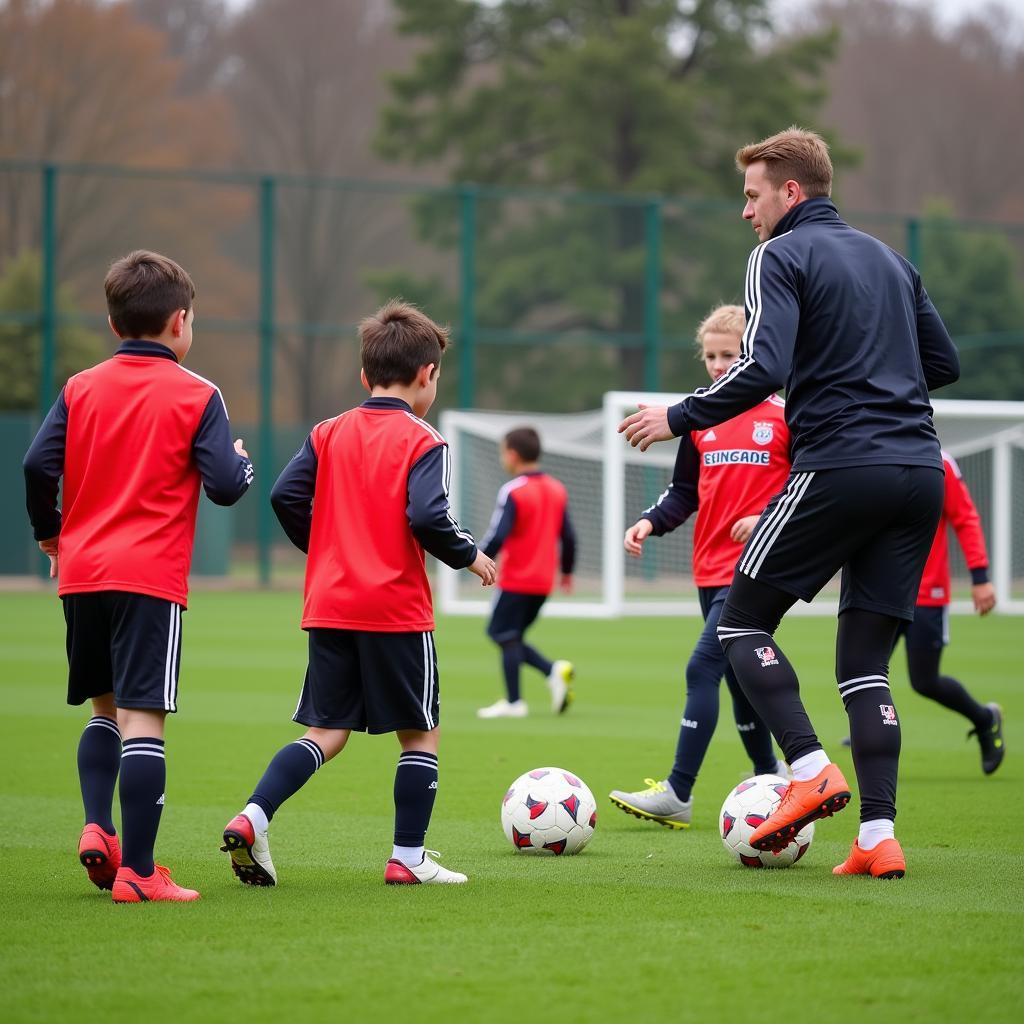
x,y
757,740
511,659
99,758
143,772
536,660
415,790
290,769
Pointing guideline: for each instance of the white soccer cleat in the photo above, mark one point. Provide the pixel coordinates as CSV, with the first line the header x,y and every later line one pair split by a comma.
x,y
560,684
427,872
250,852
503,709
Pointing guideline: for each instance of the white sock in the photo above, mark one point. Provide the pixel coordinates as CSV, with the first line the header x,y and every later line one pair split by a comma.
x,y
257,816
805,768
410,856
874,831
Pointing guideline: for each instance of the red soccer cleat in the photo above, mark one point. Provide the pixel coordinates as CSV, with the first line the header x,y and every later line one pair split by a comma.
x,y
802,803
130,887
885,860
100,854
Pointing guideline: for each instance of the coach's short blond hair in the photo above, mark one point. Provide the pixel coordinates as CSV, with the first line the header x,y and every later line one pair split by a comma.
x,y
722,320
795,154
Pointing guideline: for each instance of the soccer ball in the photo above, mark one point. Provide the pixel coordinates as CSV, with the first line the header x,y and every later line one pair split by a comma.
x,y
744,809
548,810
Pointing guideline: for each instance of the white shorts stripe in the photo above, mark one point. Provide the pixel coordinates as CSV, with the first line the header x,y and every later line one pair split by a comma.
x,y
771,538
433,680
168,660
426,683
174,659
765,523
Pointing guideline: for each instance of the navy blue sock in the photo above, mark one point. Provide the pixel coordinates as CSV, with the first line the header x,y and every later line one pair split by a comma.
x,y
700,716
536,660
292,767
143,777
511,659
415,789
756,737
99,758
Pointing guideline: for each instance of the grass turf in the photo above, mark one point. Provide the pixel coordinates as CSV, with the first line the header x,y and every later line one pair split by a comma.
x,y
647,923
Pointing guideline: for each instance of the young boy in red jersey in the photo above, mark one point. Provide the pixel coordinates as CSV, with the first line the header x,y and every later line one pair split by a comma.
x,y
364,497
530,525
928,634
133,439
726,475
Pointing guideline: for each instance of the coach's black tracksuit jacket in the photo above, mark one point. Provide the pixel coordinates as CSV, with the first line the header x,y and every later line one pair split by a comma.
x,y
843,323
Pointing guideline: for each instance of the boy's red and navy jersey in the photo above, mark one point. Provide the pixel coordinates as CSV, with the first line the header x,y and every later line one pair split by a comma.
x,y
529,525
133,437
728,472
364,496
958,511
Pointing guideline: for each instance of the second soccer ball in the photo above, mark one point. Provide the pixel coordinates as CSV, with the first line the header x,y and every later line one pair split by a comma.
x,y
744,809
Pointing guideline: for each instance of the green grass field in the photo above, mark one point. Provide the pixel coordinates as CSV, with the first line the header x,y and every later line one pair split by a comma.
x,y
646,924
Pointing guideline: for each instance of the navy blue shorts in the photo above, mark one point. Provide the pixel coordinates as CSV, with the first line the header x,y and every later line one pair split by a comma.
x,y
370,682
929,631
875,523
513,613
128,644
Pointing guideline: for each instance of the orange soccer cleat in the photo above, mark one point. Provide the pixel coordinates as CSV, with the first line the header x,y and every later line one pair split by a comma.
x,y
130,887
100,854
802,803
882,861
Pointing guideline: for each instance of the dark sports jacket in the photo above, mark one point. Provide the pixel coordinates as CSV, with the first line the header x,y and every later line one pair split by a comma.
x,y
843,323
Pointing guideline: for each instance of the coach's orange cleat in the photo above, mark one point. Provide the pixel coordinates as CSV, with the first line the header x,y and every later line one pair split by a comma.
x,y
882,861
132,888
803,803
100,854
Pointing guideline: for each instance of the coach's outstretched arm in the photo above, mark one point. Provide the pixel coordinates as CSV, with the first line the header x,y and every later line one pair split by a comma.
x,y
292,495
766,352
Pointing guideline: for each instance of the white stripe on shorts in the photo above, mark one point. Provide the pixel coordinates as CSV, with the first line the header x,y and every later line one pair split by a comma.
x,y
773,525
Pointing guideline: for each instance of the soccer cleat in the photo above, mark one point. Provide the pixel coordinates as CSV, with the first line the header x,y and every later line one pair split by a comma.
x,y
250,852
560,684
656,803
990,739
882,861
100,854
802,803
130,887
504,709
427,872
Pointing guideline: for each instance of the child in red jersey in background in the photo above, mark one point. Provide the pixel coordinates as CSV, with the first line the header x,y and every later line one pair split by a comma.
x,y
928,634
133,439
530,526
364,497
726,475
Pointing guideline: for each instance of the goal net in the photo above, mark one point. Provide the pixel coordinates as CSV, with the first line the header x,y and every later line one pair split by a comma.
x,y
610,484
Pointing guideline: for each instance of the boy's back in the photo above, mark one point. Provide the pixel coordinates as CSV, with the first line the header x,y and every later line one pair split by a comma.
x,y
366,568
137,426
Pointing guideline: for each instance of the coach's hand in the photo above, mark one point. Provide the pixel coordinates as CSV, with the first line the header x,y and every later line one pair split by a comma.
x,y
648,425
485,568
49,548
983,595
633,542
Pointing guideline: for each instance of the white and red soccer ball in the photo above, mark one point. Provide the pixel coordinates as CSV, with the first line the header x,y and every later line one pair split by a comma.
x,y
548,811
744,809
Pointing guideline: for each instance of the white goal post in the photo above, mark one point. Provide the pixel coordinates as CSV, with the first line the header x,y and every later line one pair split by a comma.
x,y
610,484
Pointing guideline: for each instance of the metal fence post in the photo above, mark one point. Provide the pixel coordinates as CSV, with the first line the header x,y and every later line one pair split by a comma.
x,y
265,471
652,296
467,297
914,241
48,291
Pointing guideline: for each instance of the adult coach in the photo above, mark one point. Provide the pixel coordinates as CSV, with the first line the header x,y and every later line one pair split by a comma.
x,y
845,325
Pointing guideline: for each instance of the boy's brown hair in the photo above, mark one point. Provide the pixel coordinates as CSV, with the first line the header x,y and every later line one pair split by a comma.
x,y
397,341
145,289
795,154
525,442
